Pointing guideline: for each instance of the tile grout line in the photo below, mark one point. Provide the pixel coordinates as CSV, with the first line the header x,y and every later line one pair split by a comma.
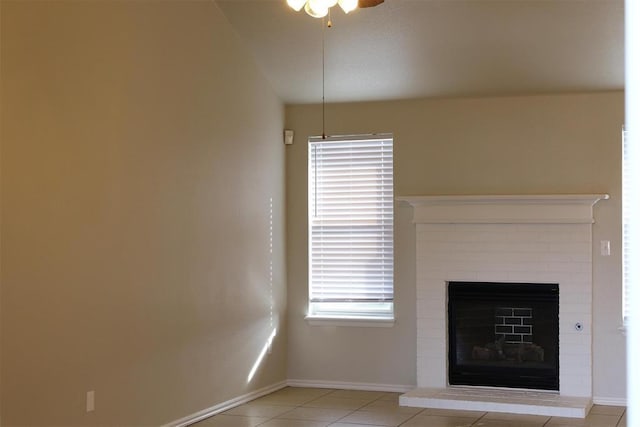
x,y
355,410
301,405
475,423
410,418
294,406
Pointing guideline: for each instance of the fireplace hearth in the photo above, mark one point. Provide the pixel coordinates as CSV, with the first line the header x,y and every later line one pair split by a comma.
x,y
504,335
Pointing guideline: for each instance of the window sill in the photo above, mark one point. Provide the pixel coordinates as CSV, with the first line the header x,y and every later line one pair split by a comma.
x,y
356,322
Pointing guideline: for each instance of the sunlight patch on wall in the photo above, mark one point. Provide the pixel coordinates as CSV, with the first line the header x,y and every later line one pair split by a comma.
x,y
256,365
267,346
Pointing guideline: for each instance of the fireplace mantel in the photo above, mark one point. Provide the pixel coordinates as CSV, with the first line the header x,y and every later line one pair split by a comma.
x,y
504,239
504,209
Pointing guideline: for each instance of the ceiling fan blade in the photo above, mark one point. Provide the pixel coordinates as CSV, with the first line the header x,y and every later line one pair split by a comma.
x,y
369,3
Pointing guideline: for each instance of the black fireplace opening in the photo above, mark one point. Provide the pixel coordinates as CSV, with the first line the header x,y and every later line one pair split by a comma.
x,y
504,335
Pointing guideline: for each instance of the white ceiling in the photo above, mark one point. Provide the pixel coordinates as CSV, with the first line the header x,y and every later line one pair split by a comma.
x,y
433,48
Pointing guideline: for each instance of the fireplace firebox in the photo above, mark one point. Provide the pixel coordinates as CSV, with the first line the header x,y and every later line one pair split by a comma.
x,y
504,335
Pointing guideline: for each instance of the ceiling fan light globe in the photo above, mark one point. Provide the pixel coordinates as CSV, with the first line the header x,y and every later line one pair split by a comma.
x,y
316,9
296,4
348,5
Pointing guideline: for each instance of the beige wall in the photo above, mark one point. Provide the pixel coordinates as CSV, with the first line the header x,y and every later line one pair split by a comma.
x,y
506,145
142,171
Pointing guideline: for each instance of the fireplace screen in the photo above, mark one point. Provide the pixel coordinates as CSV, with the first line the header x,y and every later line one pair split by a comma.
x,y
504,335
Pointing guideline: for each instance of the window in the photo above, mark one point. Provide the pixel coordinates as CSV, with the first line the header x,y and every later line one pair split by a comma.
x,y
351,227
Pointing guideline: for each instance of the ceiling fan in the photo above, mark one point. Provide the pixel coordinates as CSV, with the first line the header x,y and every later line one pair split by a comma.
x,y
369,3
320,8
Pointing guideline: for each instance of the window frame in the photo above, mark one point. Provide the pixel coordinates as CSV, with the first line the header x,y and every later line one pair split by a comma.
x,y
354,312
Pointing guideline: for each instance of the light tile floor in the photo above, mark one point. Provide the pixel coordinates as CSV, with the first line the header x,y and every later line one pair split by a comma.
x,y
314,407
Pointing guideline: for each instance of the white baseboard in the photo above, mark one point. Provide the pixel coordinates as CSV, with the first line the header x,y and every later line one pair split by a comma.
x,y
610,401
350,386
225,406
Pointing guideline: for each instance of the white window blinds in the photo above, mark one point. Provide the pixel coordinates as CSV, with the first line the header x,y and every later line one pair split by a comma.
x,y
351,226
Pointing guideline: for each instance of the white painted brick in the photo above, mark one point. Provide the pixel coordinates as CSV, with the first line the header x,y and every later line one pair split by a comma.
x,y
422,375
570,247
431,275
573,386
581,257
582,339
552,253
432,373
576,382
574,370
575,311
428,297
576,360
518,234
565,236
574,354
554,277
568,324
492,276
521,257
529,247
578,298
458,265
431,318
462,276
436,333
428,323
432,236
523,267
580,312
572,287
568,267
525,277
431,346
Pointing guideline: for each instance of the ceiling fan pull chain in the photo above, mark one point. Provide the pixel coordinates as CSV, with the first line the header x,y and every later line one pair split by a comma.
x,y
324,135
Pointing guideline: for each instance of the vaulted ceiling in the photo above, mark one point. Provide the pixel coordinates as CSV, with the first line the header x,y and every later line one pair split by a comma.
x,y
435,48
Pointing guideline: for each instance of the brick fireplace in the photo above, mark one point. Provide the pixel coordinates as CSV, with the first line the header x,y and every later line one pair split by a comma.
x,y
504,239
